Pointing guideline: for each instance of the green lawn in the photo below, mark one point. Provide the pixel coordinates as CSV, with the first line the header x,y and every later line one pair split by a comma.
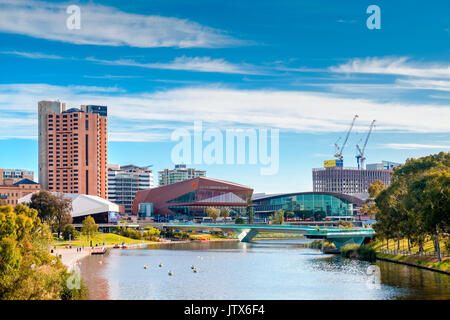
x,y
99,238
199,236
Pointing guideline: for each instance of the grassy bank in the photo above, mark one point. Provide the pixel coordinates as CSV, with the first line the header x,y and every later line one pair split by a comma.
x,y
206,236
429,261
99,238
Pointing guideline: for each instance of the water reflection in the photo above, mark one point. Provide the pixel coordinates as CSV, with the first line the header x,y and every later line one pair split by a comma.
x,y
269,269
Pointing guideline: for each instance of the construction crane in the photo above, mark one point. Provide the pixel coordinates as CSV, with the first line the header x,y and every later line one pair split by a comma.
x,y
339,150
360,156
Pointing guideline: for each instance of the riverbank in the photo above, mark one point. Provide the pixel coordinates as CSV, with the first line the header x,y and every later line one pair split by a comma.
x,y
71,256
422,262
412,257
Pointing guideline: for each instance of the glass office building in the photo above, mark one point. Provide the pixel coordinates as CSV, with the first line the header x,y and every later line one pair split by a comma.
x,y
317,205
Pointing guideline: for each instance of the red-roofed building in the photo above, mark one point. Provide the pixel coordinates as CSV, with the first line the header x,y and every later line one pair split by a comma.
x,y
189,199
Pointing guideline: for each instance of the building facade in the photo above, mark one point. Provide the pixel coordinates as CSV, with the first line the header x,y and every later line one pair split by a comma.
x,y
315,205
73,148
125,181
102,210
351,181
189,199
11,176
10,194
180,173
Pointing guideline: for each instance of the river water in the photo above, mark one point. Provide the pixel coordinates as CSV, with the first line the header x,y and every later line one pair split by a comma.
x,y
264,269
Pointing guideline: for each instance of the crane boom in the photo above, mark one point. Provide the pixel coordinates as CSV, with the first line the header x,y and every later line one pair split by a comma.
x,y
340,150
360,157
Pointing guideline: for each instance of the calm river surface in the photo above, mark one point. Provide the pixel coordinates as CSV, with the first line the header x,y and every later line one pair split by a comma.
x,y
265,269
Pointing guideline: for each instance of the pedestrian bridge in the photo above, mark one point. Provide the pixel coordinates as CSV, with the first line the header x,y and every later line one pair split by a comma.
x,y
246,233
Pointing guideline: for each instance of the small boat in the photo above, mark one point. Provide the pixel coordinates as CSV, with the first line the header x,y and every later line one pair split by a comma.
x,y
170,273
195,270
146,267
192,267
124,247
116,246
98,251
160,265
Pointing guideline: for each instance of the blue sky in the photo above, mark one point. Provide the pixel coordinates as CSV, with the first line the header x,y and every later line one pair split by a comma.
x,y
303,67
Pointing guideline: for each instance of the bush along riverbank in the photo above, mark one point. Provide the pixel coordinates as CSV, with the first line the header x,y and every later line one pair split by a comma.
x,y
364,252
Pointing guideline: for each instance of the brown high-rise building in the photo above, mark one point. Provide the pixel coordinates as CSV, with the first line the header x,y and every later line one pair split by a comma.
x,y
73,148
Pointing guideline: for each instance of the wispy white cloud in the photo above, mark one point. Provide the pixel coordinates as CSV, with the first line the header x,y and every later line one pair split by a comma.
x,y
393,65
198,64
32,55
346,21
107,26
294,111
412,146
425,84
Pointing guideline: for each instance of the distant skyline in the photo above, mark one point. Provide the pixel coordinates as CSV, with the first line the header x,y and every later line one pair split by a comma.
x,y
303,67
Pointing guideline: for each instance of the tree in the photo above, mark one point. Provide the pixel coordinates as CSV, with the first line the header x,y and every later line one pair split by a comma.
x,y
433,193
416,204
151,233
70,232
44,202
225,212
89,227
278,217
375,188
27,270
53,209
213,213
250,212
369,207
63,209
290,214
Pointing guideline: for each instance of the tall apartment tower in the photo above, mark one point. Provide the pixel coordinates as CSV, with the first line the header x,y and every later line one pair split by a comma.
x,y
45,108
73,148
180,173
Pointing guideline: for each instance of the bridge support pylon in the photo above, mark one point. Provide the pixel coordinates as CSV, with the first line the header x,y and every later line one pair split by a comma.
x,y
245,235
340,242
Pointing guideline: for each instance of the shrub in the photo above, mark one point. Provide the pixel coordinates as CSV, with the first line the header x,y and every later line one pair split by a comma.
x,y
316,244
181,235
129,233
367,253
239,220
151,234
70,232
354,251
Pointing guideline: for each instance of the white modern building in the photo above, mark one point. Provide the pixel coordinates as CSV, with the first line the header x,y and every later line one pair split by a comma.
x,y
180,173
125,181
103,211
